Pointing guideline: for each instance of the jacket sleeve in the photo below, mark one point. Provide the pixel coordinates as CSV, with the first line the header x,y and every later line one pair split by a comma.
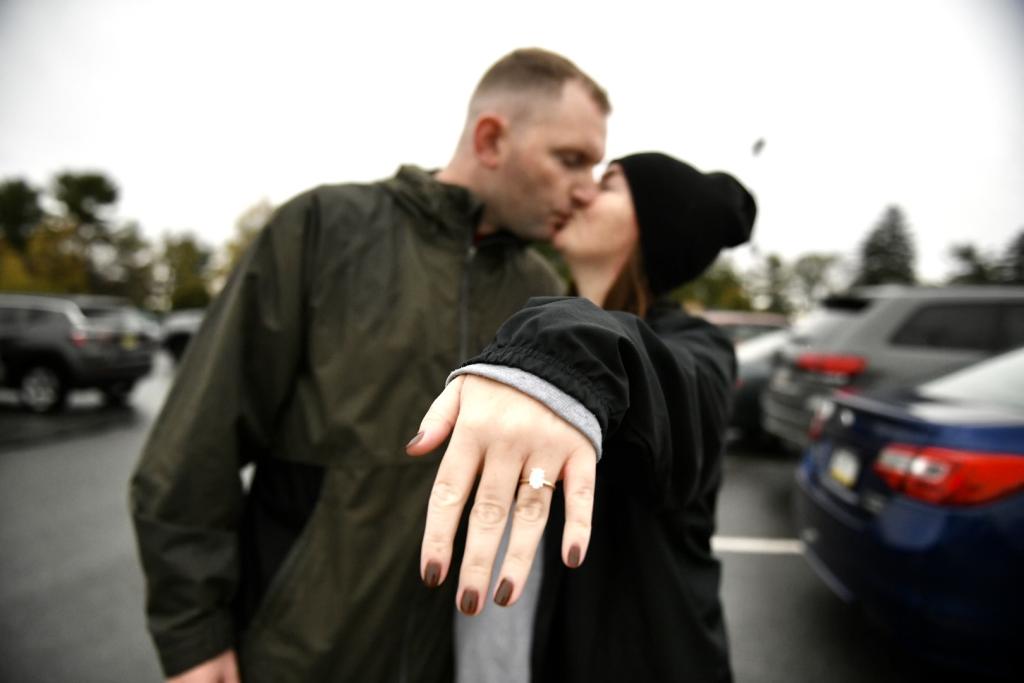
x,y
660,391
186,493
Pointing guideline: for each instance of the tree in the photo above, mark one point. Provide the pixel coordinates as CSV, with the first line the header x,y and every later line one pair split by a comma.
x,y
887,255
720,287
1011,268
185,272
76,247
85,199
129,273
973,267
247,227
813,278
56,265
20,213
85,196
771,282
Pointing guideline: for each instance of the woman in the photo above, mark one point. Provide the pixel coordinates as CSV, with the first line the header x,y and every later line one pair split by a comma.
x,y
644,604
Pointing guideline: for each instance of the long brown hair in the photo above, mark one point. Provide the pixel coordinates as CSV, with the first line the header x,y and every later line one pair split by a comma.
x,y
631,292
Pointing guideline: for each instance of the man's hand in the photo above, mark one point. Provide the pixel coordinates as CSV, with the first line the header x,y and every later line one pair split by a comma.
x,y
221,669
500,434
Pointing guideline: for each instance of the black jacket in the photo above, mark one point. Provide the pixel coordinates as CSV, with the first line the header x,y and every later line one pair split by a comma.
x,y
644,605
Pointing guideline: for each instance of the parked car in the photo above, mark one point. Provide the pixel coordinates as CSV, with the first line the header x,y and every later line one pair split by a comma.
x,y
743,325
755,358
886,336
911,502
50,345
178,329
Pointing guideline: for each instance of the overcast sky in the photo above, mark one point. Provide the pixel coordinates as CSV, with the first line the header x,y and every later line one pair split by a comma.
x,y
198,109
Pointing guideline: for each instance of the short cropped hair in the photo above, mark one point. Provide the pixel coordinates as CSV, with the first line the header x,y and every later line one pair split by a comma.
x,y
538,70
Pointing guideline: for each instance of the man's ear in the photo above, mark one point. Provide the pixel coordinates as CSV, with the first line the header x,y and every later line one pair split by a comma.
x,y
489,139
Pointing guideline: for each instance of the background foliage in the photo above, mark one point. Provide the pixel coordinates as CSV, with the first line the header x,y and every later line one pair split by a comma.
x,y
67,238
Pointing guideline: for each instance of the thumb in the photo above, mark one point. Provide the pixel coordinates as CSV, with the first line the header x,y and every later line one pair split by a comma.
x,y
438,422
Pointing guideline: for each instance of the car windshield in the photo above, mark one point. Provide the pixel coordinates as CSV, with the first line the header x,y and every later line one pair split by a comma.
x,y
123,318
997,381
102,312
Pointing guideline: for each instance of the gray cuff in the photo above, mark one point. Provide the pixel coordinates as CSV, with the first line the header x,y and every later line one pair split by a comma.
x,y
563,405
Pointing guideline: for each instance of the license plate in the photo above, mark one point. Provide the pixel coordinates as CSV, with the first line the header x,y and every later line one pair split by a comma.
x,y
844,466
129,342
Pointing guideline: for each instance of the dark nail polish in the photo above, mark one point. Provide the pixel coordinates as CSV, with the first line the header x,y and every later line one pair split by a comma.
x,y
432,575
468,604
504,593
574,557
415,440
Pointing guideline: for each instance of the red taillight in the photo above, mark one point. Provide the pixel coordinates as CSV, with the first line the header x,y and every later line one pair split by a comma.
x,y
79,338
831,364
948,476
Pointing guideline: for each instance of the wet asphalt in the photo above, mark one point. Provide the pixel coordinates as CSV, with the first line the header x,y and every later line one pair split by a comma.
x,y
71,592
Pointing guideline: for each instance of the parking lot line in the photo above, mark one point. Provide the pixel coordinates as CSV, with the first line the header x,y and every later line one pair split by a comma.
x,y
757,546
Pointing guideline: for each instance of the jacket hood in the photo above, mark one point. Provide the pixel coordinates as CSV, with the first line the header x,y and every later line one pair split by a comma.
x,y
454,209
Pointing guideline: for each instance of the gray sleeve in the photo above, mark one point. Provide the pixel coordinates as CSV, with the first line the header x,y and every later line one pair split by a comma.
x,y
561,403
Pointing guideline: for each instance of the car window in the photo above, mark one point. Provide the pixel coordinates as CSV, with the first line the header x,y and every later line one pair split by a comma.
x,y
1011,335
10,317
95,313
998,381
37,316
950,326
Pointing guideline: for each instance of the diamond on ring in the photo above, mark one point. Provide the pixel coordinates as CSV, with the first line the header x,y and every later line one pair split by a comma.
x,y
536,478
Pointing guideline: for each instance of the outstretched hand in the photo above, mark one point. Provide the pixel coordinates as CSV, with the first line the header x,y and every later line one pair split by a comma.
x,y
502,435
221,669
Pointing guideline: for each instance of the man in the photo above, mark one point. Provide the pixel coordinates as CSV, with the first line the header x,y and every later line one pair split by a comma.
x,y
315,363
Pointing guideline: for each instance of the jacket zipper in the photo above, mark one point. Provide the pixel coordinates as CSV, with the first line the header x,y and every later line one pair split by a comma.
x,y
467,264
463,317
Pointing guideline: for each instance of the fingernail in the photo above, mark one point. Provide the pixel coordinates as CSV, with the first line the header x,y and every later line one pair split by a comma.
x,y
574,557
415,440
432,576
468,604
504,592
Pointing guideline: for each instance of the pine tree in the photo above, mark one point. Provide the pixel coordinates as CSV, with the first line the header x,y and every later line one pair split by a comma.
x,y
1012,270
974,267
887,255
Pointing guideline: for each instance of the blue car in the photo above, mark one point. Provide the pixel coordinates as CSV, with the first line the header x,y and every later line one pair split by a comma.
x,y
912,504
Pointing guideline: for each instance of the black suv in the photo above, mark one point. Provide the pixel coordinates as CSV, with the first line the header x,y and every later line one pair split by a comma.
x,y
52,344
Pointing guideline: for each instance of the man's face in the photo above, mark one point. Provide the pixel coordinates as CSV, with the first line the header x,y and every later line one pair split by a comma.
x,y
548,171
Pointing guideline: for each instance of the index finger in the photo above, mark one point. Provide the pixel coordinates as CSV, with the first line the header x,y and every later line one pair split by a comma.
x,y
452,485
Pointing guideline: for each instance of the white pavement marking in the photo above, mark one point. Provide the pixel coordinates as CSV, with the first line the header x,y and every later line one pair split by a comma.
x,y
757,546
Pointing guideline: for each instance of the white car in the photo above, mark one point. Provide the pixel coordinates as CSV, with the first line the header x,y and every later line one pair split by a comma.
x,y
178,328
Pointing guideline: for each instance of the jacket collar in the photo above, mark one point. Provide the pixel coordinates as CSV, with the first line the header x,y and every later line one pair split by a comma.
x,y
454,211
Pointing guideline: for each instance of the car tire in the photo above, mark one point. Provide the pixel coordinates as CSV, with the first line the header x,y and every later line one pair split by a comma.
x,y
43,389
117,394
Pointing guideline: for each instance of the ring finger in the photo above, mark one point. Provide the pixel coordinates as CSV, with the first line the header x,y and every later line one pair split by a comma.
x,y
530,516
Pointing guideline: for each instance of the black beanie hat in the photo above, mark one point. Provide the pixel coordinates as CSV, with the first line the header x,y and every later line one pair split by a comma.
x,y
684,217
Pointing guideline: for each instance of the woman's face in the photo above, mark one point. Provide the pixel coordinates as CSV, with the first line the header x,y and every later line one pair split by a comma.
x,y
604,233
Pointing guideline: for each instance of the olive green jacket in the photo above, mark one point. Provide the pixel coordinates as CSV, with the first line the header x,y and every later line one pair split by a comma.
x,y
325,349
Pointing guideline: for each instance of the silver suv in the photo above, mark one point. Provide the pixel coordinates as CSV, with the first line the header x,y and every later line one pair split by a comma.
x,y
882,338
52,344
